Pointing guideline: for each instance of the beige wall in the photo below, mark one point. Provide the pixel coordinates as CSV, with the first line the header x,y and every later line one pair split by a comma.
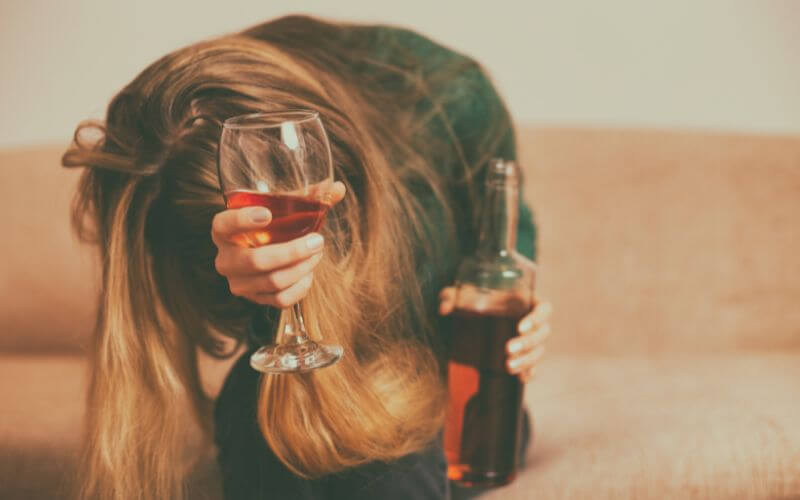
x,y
731,65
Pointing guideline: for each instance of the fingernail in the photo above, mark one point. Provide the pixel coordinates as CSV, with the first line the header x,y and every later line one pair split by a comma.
x,y
525,325
314,241
259,215
514,346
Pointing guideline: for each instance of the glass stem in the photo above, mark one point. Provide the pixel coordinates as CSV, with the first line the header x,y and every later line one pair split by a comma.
x,y
295,330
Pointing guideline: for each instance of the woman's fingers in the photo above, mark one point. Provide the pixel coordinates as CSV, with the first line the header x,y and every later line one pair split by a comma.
x,y
332,194
523,343
287,297
274,281
539,316
526,350
447,300
527,375
227,224
277,274
519,364
338,191
242,261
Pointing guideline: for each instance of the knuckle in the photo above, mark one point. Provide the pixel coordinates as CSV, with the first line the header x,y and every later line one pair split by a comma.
x,y
307,267
235,289
273,282
242,219
282,299
218,224
296,252
220,264
255,262
263,300
309,264
272,301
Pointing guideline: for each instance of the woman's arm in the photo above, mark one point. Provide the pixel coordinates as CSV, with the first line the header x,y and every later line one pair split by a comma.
x,y
483,127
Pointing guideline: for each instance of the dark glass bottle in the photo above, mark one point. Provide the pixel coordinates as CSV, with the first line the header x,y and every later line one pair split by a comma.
x,y
493,291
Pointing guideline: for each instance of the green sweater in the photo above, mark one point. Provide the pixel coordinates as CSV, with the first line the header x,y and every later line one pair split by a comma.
x,y
456,114
468,102
462,105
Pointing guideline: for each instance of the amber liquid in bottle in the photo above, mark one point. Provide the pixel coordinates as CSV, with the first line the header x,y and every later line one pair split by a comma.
x,y
482,434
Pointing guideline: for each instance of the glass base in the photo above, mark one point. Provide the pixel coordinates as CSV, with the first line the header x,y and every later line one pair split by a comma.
x,y
295,358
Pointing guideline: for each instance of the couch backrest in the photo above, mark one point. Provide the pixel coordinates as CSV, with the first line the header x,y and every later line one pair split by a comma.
x,y
649,242
48,281
662,241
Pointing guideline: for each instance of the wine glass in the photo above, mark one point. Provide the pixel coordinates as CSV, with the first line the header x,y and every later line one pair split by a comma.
x,y
282,161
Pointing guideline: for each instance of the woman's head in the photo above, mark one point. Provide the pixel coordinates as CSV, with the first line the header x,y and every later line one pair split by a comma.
x,y
148,199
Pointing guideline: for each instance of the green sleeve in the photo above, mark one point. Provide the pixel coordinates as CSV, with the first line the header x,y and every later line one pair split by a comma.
x,y
472,106
477,112
469,105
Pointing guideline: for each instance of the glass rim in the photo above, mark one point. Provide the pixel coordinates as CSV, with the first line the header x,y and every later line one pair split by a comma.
x,y
269,119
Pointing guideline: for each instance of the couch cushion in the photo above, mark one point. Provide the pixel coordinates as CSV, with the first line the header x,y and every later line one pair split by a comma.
x,y
721,427
41,428
39,423
702,427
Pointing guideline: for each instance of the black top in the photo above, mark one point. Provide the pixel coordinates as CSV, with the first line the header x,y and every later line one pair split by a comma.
x,y
251,471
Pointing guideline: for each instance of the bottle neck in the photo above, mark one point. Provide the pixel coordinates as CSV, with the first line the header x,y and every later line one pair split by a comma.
x,y
499,212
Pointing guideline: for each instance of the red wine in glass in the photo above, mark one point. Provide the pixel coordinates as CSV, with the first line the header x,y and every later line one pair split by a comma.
x,y
281,160
292,216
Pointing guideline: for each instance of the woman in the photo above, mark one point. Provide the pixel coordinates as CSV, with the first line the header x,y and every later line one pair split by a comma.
x,y
410,124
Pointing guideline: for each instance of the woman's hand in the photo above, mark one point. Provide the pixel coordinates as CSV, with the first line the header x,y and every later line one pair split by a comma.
x,y
278,274
525,350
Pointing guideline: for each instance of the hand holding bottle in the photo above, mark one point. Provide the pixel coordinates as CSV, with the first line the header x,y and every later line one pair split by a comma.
x,y
524,351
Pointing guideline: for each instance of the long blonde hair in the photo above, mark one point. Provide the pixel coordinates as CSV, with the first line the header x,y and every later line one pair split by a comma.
x,y
148,200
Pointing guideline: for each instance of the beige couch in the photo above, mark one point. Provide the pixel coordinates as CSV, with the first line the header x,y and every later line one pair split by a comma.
x,y
673,260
